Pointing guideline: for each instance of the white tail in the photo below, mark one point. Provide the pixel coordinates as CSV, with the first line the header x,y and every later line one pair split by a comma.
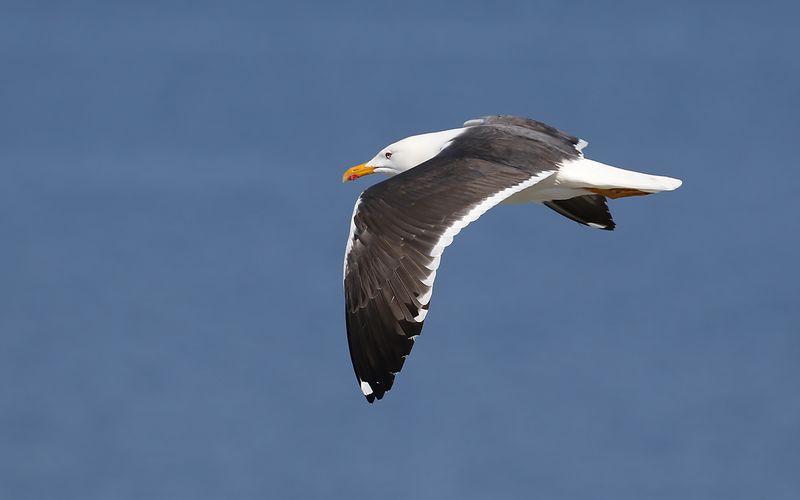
x,y
604,179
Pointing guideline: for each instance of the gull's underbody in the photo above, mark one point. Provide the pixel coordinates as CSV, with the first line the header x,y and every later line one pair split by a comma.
x,y
441,182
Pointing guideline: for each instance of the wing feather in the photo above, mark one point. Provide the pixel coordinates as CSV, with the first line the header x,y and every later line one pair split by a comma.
x,y
401,227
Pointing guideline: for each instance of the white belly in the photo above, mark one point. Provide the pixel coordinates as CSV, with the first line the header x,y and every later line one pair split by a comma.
x,y
576,177
546,190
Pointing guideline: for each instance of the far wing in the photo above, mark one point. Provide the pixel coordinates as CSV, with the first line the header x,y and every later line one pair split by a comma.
x,y
551,134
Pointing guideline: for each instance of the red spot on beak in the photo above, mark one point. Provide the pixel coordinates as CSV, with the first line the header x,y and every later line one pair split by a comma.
x,y
357,172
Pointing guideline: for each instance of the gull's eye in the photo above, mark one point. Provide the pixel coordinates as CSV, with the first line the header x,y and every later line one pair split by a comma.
x,y
388,155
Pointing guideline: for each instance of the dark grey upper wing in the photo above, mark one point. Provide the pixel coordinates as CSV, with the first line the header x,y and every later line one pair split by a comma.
x,y
543,130
399,230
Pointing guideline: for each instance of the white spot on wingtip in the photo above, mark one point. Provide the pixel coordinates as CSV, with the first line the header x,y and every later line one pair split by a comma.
x,y
472,123
596,226
366,388
581,144
420,317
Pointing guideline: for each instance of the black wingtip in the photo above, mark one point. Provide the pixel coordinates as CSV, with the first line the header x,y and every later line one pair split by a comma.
x,y
590,210
377,392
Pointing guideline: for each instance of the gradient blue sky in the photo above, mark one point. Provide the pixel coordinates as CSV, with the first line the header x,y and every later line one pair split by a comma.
x,y
173,222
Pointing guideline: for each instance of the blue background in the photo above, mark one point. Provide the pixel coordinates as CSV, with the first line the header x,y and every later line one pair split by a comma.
x,y
173,223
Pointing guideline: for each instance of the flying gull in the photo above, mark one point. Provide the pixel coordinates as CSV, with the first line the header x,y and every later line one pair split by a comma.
x,y
440,182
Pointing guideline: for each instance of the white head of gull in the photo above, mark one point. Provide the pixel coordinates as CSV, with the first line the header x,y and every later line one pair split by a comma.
x,y
404,154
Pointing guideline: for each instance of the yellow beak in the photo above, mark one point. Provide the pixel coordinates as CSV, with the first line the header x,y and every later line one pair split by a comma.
x,y
354,173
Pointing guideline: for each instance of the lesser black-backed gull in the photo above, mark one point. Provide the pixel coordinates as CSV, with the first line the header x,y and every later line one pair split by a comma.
x,y
441,182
